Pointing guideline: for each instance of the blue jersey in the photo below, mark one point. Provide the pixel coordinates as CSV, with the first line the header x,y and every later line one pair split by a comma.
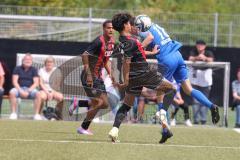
x,y
162,39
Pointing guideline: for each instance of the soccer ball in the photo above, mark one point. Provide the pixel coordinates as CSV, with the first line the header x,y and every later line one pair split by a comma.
x,y
143,23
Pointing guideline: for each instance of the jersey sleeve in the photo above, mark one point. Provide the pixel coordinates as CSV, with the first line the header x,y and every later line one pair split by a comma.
x,y
16,71
144,35
94,46
35,72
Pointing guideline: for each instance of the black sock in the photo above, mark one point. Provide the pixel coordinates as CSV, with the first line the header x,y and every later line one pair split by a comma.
x,y
175,111
86,123
121,114
186,111
83,103
168,99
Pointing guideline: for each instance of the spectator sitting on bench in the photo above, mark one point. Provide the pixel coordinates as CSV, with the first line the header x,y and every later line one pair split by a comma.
x,y
2,73
47,92
25,81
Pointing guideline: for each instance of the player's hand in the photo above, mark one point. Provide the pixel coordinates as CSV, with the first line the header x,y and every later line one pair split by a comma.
x,y
181,101
120,85
89,80
155,50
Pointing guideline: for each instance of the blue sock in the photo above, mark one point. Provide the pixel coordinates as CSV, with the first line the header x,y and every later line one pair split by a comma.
x,y
164,130
160,106
200,97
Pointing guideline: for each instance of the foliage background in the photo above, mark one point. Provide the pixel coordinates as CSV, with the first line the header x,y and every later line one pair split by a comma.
x,y
194,6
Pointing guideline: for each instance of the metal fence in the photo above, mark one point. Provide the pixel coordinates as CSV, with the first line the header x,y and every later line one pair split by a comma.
x,y
218,30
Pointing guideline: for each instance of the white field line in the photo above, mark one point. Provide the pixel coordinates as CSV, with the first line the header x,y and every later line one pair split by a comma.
x,y
237,130
122,143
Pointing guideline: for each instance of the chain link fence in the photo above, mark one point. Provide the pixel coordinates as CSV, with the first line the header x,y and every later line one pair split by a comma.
x,y
218,30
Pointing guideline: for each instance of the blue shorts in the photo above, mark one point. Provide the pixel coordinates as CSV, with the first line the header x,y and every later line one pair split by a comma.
x,y
31,95
174,67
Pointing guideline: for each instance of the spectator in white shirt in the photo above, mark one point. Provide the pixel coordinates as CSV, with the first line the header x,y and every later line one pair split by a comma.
x,y
47,92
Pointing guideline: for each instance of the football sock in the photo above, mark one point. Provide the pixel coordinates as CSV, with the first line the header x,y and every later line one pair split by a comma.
x,y
168,99
86,123
164,130
83,103
201,98
175,112
121,114
185,110
90,116
160,106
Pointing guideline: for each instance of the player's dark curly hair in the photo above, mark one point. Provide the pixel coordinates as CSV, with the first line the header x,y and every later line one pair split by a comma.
x,y
119,20
132,21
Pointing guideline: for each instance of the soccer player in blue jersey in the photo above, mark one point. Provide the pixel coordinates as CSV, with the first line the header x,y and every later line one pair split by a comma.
x,y
170,56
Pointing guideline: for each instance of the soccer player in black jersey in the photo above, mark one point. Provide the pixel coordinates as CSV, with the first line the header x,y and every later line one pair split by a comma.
x,y
137,73
95,58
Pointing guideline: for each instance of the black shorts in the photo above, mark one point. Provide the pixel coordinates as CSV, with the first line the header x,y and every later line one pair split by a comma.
x,y
150,79
98,86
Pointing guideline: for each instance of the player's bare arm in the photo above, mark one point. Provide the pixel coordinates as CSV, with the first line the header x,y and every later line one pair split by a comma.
x,y
87,69
147,40
126,69
154,51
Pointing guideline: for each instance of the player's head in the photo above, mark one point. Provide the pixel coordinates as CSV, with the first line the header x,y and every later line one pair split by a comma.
x,y
200,45
143,23
108,28
134,30
121,22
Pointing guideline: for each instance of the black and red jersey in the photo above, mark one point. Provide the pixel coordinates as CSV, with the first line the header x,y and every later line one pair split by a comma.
x,y
99,54
132,48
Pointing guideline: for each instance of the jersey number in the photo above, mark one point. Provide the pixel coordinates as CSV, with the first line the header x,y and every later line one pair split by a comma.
x,y
162,33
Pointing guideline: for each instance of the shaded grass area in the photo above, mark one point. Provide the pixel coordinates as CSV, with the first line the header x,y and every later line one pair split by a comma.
x,y
59,140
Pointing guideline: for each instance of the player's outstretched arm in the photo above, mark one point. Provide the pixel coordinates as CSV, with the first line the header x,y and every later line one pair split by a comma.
x,y
154,51
149,38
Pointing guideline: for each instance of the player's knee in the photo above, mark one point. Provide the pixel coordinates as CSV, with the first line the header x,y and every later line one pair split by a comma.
x,y
99,103
166,87
187,90
104,105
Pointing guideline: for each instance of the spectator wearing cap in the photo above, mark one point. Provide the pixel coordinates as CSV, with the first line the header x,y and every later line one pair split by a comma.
x,y
201,79
236,97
